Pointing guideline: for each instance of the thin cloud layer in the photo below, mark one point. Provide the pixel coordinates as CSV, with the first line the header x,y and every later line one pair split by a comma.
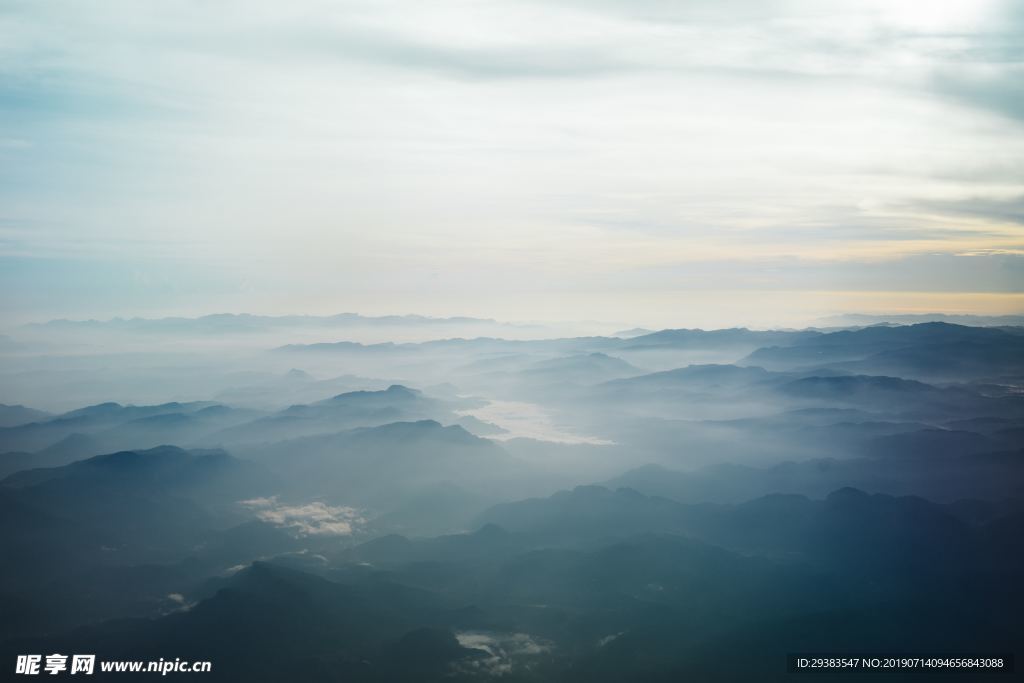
x,y
460,158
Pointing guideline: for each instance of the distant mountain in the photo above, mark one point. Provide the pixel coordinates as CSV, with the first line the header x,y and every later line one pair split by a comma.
x,y
703,339
221,323
920,350
634,332
48,431
941,467
696,379
694,391
394,396
12,416
344,411
109,427
464,347
167,467
897,397
859,319
590,368
956,361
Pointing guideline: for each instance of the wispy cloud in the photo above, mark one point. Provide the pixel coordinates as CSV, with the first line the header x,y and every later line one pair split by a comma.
x,y
504,652
401,155
309,519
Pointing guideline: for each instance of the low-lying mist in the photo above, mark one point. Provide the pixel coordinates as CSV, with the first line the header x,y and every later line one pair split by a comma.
x,y
470,500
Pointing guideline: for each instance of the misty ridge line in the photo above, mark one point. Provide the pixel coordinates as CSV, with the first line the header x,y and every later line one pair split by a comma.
x,y
574,508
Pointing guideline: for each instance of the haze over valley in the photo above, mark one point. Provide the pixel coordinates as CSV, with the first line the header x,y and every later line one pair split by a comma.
x,y
467,508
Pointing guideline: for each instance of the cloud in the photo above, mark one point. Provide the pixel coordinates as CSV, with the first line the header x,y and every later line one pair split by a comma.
x,y
178,603
993,209
995,87
504,651
394,156
310,519
395,50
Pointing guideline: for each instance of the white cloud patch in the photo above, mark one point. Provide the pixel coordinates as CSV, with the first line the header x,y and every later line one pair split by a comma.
x,y
607,639
505,651
310,519
178,603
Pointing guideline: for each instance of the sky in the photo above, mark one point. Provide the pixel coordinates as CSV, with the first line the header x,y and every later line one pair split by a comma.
x,y
712,162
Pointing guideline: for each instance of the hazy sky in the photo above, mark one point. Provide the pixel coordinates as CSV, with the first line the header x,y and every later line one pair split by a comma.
x,y
644,161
